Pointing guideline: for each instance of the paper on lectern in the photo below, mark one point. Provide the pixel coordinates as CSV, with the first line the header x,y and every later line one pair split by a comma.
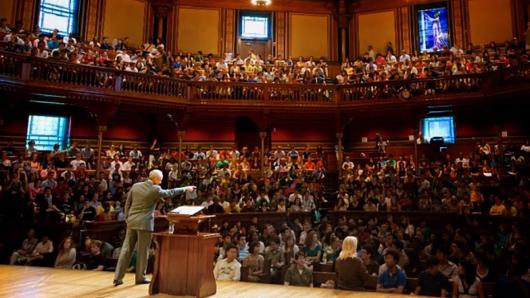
x,y
187,210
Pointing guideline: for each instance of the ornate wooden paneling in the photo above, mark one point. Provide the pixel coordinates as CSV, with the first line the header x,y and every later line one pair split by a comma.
x,y
404,30
93,19
457,18
518,18
28,13
281,34
229,26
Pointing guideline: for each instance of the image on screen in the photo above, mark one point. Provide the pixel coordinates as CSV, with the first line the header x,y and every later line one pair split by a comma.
x,y
439,127
433,28
254,27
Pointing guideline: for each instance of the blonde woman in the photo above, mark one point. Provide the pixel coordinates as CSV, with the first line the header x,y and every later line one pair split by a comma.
x,y
351,272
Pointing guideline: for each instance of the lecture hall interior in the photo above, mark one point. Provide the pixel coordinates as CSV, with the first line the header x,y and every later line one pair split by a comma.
x,y
264,148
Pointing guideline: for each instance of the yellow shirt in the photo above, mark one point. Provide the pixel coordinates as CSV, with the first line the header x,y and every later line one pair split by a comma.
x,y
498,210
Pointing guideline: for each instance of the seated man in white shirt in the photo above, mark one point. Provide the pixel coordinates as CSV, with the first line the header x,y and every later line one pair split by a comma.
x,y
135,153
404,57
228,268
77,162
127,166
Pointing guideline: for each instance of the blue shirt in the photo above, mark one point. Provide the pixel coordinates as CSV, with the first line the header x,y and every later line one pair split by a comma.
x,y
392,280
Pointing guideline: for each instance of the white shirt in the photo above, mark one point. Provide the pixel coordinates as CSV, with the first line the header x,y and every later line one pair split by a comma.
x,y
472,291
464,161
349,164
126,166
227,271
404,58
135,154
77,163
113,165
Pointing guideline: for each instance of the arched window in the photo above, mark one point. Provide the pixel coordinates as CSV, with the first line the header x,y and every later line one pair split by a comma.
x,y
58,14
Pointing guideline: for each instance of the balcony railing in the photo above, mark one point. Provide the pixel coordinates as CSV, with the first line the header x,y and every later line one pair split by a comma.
x,y
85,77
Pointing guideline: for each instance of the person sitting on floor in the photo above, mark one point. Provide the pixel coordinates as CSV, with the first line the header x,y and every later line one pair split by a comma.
x,y
67,254
351,272
228,268
96,260
432,282
28,245
392,280
299,273
43,249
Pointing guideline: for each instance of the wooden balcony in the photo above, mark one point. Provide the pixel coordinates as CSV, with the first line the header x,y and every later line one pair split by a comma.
x,y
68,82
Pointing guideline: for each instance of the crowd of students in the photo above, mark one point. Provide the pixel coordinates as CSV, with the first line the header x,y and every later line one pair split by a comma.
x,y
454,259
154,59
61,185
485,180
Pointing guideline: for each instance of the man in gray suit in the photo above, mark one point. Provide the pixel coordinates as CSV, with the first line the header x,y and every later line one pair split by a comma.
x,y
139,210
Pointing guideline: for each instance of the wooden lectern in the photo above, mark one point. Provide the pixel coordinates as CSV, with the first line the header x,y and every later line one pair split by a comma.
x,y
184,258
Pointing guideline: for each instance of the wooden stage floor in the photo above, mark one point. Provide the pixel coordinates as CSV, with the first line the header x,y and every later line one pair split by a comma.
x,y
20,281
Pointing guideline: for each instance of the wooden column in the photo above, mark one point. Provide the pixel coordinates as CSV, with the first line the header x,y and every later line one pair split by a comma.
x,y
162,21
180,135
102,113
339,136
343,20
262,136
101,130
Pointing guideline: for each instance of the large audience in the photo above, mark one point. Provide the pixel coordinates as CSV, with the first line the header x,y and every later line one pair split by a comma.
x,y
457,259
60,186
152,58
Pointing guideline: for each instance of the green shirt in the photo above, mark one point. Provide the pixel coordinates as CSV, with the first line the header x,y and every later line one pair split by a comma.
x,y
296,278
